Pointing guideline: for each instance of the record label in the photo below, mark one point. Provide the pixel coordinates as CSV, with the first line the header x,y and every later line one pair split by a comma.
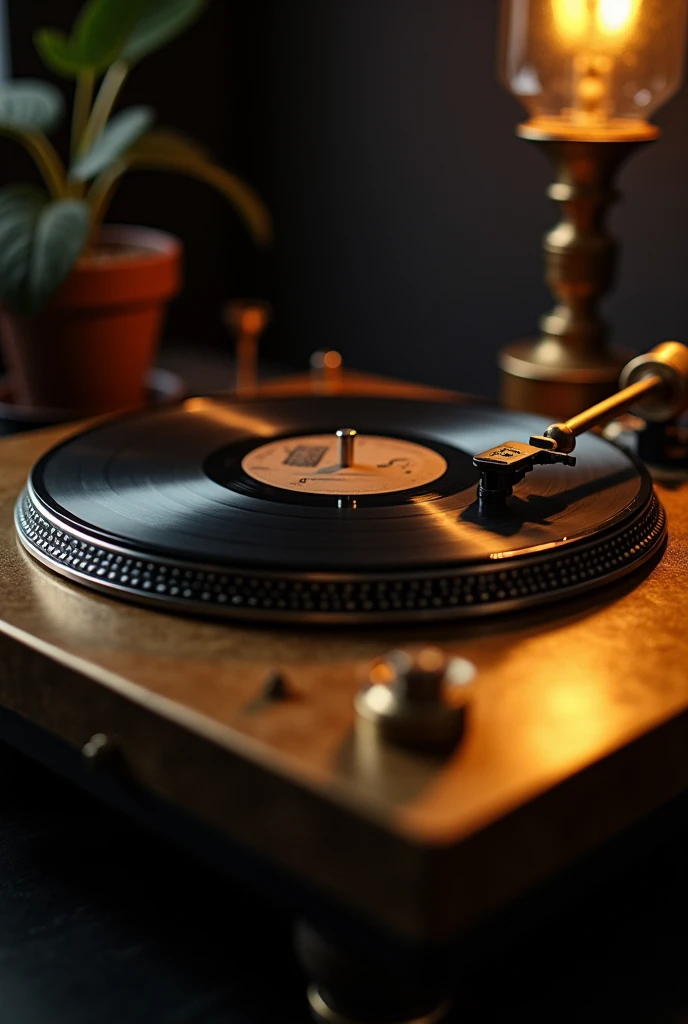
x,y
311,464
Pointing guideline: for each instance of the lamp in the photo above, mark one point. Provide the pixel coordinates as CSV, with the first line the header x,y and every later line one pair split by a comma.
x,y
590,73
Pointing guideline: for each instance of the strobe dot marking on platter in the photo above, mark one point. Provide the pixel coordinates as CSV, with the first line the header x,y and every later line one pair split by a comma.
x,y
129,508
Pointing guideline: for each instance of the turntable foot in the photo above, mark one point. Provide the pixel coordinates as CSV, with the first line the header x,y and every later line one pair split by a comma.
x,y
348,986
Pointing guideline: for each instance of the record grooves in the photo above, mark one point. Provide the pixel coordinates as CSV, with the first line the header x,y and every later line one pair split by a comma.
x,y
162,508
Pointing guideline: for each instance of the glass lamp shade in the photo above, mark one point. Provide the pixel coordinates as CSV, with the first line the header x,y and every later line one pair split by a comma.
x,y
593,64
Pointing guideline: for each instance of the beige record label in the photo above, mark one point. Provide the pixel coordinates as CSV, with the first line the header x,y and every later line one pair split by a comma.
x,y
312,464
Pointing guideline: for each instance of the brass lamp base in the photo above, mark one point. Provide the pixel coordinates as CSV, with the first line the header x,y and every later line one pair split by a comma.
x,y
570,366
544,377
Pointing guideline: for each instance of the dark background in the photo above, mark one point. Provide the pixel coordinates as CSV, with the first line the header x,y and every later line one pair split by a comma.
x,y
408,215
103,923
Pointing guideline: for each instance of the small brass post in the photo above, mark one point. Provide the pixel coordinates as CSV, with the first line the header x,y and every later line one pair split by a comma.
x,y
326,372
247,320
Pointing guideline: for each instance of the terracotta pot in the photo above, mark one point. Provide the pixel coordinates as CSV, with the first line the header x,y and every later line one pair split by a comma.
x,y
91,347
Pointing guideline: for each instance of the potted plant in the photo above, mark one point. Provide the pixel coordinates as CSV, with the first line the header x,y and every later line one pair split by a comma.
x,y
82,304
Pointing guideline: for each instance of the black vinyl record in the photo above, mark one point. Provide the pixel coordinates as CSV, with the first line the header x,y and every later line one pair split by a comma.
x,y
237,507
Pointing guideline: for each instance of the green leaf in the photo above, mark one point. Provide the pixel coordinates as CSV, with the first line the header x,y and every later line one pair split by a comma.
x,y
96,41
55,50
40,241
20,207
119,134
102,28
59,239
162,22
29,105
110,30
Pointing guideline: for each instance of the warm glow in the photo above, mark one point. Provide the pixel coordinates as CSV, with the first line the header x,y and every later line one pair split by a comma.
x,y
235,417
381,673
616,16
253,320
595,22
332,360
572,18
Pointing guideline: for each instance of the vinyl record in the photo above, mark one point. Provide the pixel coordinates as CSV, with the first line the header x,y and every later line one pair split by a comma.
x,y
244,508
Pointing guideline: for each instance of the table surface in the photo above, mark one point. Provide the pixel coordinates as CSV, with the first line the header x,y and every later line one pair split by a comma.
x,y
88,933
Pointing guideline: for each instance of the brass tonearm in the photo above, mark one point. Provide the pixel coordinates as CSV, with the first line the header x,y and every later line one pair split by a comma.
x,y
654,385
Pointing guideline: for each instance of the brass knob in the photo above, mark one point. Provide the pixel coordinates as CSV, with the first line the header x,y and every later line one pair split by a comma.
x,y
670,362
417,697
347,438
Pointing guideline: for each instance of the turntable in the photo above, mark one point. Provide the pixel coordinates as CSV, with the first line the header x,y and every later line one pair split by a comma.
x,y
266,510
398,660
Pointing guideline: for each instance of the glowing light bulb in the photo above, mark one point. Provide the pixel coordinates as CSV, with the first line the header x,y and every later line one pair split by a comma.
x,y
594,63
597,31
595,22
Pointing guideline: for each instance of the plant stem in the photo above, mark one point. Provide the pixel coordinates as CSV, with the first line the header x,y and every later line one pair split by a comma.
x,y
45,157
83,98
100,195
105,101
241,195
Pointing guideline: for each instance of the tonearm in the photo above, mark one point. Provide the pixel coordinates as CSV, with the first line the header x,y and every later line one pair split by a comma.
x,y
654,385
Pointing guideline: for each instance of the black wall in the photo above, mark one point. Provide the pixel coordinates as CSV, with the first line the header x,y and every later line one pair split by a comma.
x,y
412,216
408,215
